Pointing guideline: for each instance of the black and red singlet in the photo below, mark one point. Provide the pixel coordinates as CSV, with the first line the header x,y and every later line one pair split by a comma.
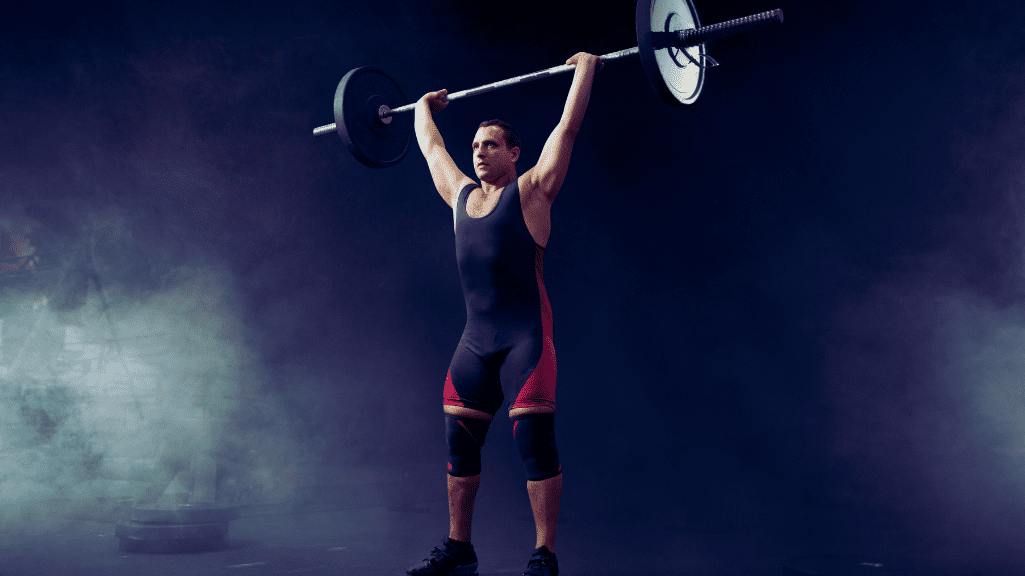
x,y
506,352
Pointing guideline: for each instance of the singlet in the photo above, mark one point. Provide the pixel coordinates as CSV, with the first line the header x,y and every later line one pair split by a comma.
x,y
500,264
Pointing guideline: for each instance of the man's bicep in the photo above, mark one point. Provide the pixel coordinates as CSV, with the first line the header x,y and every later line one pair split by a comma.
x,y
448,178
551,168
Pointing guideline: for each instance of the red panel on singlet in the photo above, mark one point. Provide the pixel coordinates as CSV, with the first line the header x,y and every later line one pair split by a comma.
x,y
539,389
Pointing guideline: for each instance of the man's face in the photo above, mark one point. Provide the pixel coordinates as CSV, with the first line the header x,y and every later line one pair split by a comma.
x,y
492,159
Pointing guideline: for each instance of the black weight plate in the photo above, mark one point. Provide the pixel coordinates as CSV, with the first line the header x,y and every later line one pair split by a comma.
x,y
142,531
674,77
371,141
194,513
173,546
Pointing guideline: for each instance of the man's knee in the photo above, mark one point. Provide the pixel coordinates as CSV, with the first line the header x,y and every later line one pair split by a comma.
x,y
465,438
535,438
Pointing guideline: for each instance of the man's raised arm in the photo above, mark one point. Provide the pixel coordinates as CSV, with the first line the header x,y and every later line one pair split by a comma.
x,y
548,175
448,179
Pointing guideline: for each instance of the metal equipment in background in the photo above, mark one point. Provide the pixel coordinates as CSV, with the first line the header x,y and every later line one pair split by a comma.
x,y
849,565
190,527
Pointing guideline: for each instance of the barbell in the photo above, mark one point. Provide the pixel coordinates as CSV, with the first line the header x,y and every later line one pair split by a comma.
x,y
670,42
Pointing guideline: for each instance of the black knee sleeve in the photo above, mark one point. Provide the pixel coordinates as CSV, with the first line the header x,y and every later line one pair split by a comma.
x,y
535,437
465,439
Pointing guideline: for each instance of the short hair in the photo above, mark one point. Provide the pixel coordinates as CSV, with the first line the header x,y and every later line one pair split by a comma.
x,y
512,139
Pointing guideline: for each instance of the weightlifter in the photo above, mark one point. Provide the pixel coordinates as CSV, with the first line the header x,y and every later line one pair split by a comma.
x,y
506,354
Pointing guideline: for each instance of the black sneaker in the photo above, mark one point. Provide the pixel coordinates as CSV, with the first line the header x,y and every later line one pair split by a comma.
x,y
452,559
542,563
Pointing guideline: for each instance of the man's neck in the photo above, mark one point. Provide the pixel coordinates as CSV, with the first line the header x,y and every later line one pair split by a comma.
x,y
497,185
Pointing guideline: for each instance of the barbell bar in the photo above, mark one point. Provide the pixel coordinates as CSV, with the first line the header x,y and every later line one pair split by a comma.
x,y
670,42
387,113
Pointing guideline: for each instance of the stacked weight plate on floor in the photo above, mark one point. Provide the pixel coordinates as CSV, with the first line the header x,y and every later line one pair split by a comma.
x,y
197,527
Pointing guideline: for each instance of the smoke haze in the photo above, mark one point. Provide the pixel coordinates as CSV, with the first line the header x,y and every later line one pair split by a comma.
x,y
801,293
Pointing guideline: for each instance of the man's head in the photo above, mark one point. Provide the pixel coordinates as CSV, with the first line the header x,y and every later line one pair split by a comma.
x,y
496,147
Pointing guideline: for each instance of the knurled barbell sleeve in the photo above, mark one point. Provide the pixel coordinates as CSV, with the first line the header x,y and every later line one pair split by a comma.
x,y
695,36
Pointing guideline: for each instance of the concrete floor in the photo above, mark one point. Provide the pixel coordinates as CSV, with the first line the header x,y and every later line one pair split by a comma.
x,y
379,541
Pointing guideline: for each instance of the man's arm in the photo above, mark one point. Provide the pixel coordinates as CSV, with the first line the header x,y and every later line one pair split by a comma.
x,y
448,178
546,178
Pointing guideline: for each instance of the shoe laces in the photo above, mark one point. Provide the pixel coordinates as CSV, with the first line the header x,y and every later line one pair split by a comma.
x,y
538,562
438,555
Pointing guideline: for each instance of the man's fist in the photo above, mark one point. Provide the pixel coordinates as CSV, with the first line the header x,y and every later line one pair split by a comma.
x,y
586,59
436,100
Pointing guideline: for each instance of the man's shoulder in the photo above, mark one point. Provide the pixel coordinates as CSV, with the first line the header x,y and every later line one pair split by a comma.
x,y
466,185
530,188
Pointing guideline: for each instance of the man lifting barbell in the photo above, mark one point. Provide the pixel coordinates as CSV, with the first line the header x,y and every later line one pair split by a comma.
x,y
506,353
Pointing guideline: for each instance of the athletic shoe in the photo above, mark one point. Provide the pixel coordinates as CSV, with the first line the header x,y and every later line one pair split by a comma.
x,y
452,559
542,563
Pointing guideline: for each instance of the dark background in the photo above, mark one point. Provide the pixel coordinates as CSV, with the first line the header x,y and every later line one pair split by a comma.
x,y
803,291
